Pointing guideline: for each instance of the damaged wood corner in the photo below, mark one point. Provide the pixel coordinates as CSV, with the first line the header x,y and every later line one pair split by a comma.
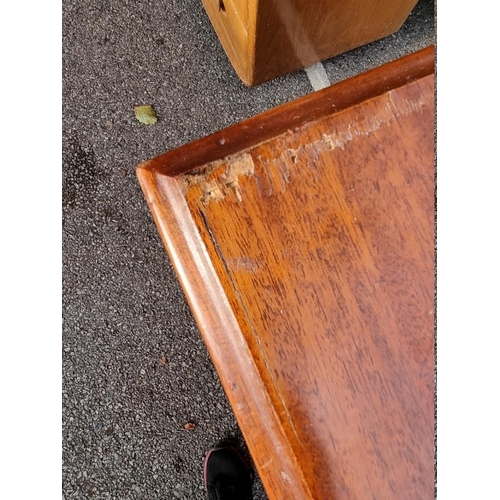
x,y
215,187
211,192
198,176
239,166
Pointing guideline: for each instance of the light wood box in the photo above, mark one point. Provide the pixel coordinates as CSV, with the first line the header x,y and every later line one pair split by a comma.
x,y
265,39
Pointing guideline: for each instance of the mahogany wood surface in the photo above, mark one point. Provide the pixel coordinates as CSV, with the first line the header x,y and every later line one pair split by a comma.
x,y
268,38
308,261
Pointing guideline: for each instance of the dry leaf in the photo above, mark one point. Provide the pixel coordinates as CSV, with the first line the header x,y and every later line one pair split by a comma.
x,y
189,426
145,115
163,360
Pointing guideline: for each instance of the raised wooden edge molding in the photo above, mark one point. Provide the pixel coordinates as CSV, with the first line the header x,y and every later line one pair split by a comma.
x,y
276,121
222,334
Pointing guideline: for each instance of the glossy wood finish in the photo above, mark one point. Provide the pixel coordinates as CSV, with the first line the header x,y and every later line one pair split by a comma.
x,y
307,259
266,39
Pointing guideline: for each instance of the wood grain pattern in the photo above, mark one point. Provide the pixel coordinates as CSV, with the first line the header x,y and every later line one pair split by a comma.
x,y
308,262
266,39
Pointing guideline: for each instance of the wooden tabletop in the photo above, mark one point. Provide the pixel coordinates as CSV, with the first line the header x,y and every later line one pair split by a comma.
x,y
304,240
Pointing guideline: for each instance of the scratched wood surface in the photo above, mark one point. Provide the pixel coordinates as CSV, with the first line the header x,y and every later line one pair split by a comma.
x,y
266,39
308,262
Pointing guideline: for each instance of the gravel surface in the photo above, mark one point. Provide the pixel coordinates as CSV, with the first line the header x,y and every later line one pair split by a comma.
x,y
135,370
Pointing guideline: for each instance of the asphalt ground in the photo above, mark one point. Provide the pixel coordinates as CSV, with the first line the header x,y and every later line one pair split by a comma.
x,y
135,369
